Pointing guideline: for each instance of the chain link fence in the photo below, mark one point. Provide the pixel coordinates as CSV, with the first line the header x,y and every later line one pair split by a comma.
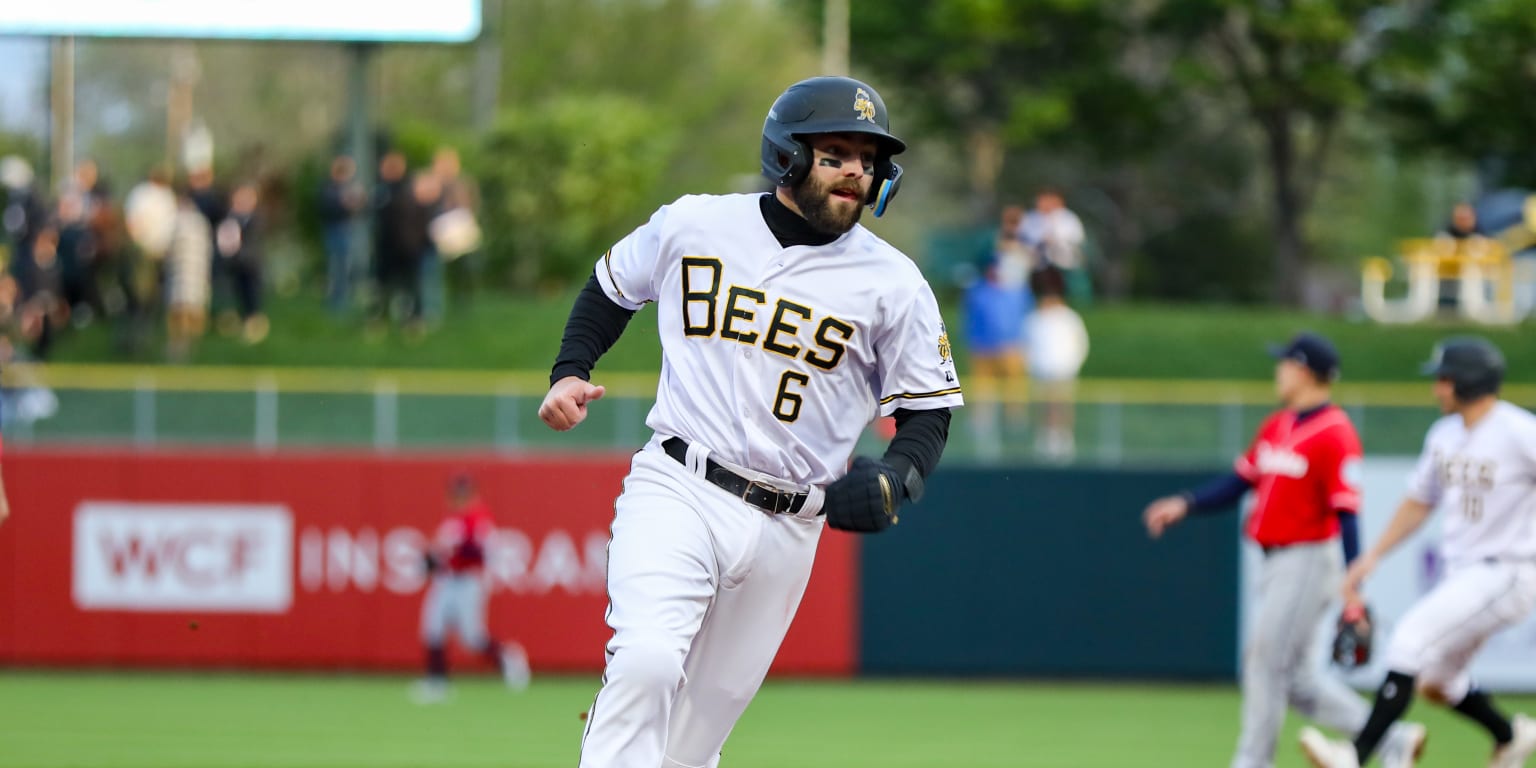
x,y
1114,422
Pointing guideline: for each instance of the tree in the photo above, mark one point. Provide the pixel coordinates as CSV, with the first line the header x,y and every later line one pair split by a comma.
x,y
567,176
1298,67
1457,80
997,80
994,75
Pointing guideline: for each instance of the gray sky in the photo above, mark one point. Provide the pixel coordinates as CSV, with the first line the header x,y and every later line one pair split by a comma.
x,y
23,68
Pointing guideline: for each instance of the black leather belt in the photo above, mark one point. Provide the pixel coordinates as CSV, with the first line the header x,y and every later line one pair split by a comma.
x,y
758,494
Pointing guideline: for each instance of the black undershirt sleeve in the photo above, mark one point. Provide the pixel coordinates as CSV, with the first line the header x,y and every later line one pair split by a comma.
x,y
594,325
915,449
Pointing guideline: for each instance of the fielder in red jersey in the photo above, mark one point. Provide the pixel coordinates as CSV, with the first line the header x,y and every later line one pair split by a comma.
x,y
456,597
1303,470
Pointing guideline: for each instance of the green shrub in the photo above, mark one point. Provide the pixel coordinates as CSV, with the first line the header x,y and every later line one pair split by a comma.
x,y
564,180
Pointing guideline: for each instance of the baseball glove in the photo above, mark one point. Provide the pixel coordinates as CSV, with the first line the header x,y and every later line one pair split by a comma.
x,y
1352,642
866,499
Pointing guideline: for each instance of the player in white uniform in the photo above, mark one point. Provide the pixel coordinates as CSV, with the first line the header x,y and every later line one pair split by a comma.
x,y
785,329
1479,466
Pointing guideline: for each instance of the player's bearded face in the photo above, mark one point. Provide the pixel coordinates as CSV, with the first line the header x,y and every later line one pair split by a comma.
x,y
832,206
831,197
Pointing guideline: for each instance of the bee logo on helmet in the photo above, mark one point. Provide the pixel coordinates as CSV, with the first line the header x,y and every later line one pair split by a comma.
x,y
863,106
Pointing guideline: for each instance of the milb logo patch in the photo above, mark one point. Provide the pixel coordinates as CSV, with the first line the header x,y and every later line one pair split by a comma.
x,y
156,557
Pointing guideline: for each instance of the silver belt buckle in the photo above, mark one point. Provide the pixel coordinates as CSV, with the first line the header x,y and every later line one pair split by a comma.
x,y
773,493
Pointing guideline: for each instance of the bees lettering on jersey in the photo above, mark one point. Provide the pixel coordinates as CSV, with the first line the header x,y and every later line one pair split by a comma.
x,y
738,315
1471,474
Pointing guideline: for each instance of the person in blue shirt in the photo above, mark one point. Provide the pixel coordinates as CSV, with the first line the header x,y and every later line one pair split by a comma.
x,y
995,309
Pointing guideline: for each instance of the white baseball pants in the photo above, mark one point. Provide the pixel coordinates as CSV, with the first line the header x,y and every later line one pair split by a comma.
x,y
1439,636
702,588
456,601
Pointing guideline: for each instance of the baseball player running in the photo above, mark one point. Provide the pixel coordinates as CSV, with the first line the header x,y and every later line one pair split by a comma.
x,y
1302,469
456,597
785,329
1479,466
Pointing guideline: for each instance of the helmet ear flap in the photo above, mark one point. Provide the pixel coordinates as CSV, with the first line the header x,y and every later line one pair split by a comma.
x,y
887,182
790,159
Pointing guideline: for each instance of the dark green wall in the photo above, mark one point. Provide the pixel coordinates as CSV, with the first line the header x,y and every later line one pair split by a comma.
x,y
1049,572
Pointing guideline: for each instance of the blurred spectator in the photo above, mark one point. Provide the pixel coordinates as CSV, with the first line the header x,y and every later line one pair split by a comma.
x,y
454,230
1058,345
25,210
188,264
40,279
340,201
401,240
101,251
212,201
994,328
10,314
149,213
427,187
1014,259
1463,223
1056,235
76,252
1460,240
239,247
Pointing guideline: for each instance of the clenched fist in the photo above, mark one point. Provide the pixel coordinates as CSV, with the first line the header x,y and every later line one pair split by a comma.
x,y
566,404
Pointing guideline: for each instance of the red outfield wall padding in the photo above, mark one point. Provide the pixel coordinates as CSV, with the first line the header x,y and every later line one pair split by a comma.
x,y
312,560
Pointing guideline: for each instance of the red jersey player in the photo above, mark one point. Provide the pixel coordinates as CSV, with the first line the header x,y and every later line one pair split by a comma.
x,y
1303,470
457,594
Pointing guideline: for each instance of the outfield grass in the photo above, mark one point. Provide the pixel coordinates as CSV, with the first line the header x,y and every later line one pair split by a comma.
x,y
139,720
496,332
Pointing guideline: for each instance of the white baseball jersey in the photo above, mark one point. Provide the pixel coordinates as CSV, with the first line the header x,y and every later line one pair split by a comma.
x,y
777,358
1485,480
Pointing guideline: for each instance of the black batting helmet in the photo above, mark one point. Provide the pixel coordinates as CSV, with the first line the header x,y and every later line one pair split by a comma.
x,y
1474,366
829,105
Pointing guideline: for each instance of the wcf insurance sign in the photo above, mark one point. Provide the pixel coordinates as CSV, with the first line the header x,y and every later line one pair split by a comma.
x,y
235,558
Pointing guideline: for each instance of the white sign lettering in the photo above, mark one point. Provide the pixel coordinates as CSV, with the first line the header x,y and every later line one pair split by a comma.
x,y
234,558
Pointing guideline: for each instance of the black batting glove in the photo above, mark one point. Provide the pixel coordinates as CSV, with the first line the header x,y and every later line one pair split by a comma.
x,y
866,499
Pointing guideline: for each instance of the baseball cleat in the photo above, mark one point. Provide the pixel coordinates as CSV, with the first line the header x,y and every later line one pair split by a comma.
x,y
514,666
1514,754
1404,745
430,691
1324,752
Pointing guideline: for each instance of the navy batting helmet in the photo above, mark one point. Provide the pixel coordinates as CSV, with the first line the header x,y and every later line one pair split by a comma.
x,y
1474,366
829,105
